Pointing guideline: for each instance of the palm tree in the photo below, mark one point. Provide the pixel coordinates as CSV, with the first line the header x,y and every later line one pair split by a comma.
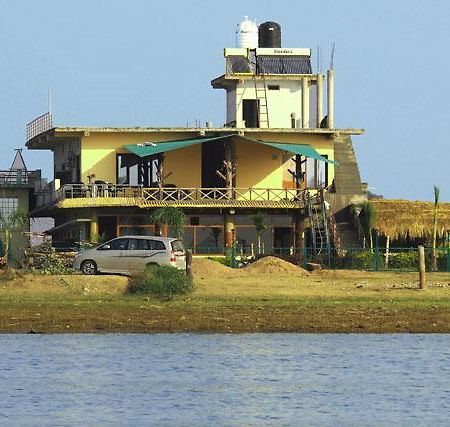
x,y
260,223
173,217
16,219
435,216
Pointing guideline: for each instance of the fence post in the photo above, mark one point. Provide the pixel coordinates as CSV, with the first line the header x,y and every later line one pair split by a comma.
x,y
377,251
448,251
422,280
305,252
189,263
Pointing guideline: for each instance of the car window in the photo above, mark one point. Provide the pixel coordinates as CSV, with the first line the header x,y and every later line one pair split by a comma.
x,y
118,244
156,245
177,245
133,244
142,244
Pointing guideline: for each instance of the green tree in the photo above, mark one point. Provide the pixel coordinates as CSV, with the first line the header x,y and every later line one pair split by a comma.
x,y
15,220
173,217
435,218
260,223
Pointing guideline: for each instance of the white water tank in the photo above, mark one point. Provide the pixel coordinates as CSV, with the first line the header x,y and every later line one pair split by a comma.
x,y
247,34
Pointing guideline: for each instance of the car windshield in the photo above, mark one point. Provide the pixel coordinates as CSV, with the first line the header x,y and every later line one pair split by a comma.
x,y
177,245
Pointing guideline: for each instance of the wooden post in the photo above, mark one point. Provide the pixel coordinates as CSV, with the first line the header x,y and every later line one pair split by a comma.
x,y
386,255
189,263
422,280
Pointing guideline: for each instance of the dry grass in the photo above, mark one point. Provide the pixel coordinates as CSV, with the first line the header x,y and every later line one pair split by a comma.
x,y
401,218
327,301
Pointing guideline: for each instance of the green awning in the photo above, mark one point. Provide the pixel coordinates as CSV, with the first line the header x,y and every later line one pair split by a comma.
x,y
151,148
301,149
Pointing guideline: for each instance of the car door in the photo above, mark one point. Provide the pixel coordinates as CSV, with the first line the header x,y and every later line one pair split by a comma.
x,y
111,256
157,253
137,253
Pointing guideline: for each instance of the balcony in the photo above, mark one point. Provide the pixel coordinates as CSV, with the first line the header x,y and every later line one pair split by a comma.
x,y
110,195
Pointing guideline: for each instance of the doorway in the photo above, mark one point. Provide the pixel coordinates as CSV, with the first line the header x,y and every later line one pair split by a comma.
x,y
107,227
283,239
250,108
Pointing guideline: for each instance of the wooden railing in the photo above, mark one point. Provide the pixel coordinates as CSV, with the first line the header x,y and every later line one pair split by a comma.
x,y
168,194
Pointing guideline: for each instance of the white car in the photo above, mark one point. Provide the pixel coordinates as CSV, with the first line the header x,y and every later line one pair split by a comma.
x,y
131,254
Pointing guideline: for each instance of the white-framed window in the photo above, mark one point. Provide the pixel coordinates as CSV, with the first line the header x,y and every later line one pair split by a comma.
x,y
8,205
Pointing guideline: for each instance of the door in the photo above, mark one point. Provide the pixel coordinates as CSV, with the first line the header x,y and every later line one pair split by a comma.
x,y
112,256
250,108
107,227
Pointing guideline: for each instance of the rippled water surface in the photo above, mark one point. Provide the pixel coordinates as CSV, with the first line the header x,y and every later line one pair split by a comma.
x,y
250,379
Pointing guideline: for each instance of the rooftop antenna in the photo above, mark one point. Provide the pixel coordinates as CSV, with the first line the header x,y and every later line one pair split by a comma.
x,y
333,46
319,59
49,101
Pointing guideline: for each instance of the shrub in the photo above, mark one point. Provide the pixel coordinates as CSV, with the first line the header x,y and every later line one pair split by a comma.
x,y
407,260
162,281
43,259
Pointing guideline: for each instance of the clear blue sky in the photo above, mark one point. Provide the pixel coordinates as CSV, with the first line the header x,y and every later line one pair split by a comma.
x,y
149,63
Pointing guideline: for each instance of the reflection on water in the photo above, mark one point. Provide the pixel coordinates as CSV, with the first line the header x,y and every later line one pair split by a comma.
x,y
250,379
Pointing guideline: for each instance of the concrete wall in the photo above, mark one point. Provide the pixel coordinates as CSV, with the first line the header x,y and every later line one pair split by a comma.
x,y
99,156
257,165
280,103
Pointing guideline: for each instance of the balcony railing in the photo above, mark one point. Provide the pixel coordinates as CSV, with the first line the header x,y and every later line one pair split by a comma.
x,y
182,196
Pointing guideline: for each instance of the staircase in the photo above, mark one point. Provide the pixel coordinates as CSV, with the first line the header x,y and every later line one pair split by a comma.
x,y
319,226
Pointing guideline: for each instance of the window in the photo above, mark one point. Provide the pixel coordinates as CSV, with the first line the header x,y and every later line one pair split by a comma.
x,y
316,173
8,205
273,87
119,244
133,170
156,245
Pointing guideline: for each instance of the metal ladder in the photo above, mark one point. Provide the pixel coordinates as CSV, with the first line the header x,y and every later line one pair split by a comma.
x,y
261,97
318,219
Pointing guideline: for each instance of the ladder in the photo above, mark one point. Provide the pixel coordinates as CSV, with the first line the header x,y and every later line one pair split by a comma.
x,y
320,233
261,98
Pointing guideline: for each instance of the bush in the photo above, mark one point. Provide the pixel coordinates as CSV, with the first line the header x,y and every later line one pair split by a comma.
x,y
162,281
364,260
45,260
406,260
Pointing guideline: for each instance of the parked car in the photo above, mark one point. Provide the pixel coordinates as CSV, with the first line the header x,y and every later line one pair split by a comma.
x,y
131,254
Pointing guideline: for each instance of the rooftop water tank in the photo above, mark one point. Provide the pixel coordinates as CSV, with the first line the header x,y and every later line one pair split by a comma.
x,y
247,34
269,35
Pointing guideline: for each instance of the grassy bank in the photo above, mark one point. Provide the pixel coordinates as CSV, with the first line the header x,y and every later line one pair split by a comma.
x,y
230,301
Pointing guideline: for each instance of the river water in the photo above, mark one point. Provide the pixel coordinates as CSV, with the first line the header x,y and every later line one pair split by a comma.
x,y
208,379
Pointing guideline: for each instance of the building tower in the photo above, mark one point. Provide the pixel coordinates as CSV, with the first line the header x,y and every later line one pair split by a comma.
x,y
268,86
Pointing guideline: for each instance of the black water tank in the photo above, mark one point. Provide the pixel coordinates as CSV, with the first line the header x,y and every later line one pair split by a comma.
x,y
269,35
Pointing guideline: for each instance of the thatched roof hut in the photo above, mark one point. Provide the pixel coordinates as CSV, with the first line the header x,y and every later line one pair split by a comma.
x,y
405,218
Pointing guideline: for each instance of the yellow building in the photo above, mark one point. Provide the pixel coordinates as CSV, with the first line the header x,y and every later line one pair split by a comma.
x,y
277,153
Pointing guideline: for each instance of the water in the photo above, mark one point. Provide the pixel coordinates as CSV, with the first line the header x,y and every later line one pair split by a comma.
x,y
201,379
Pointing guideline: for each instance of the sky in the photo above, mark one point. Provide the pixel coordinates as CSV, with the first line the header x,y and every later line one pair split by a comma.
x,y
149,63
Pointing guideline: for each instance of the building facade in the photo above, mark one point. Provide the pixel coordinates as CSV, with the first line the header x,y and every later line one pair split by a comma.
x,y
277,153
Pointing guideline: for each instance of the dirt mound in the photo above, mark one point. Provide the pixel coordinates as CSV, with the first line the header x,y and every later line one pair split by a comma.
x,y
274,265
204,268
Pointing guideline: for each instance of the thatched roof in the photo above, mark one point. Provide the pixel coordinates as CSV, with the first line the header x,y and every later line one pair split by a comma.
x,y
401,218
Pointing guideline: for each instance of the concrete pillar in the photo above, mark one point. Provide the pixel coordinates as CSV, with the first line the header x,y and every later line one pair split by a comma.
x,y
319,99
94,228
305,103
229,229
330,87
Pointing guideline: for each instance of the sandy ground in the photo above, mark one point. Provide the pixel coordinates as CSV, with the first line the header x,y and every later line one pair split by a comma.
x,y
270,295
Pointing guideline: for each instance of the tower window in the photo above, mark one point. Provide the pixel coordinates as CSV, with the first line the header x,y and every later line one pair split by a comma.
x,y
273,87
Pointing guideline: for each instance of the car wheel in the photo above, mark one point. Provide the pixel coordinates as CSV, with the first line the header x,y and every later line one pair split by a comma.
x,y
89,267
